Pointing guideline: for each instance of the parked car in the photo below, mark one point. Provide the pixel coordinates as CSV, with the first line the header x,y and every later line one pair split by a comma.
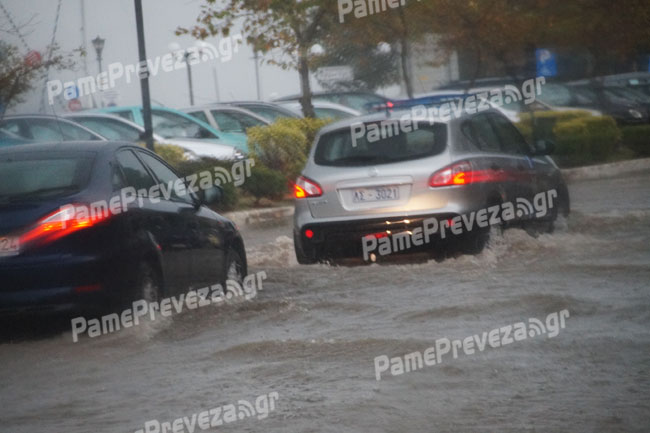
x,y
639,81
267,110
583,95
44,128
441,169
325,110
9,139
61,251
359,101
512,109
174,124
116,128
227,118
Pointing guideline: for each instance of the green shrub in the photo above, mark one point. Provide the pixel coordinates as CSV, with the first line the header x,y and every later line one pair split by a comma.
x,y
580,138
174,155
284,145
637,138
230,196
265,183
545,121
585,140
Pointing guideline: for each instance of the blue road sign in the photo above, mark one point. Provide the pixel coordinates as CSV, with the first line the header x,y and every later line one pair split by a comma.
x,y
546,63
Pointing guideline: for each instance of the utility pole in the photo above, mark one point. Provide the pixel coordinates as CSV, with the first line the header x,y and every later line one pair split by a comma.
x,y
257,74
216,83
144,80
189,76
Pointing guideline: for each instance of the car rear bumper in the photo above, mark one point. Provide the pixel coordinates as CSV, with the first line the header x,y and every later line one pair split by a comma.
x,y
61,284
344,239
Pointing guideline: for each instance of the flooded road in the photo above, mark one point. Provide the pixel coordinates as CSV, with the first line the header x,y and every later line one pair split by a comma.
x,y
313,332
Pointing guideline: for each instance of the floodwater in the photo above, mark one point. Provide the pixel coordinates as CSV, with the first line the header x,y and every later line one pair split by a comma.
x,y
313,332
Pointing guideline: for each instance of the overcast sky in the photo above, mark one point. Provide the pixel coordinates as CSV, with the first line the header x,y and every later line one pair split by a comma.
x,y
114,21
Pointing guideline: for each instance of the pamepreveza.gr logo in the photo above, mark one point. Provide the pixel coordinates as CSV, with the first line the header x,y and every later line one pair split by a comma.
x,y
444,348
215,417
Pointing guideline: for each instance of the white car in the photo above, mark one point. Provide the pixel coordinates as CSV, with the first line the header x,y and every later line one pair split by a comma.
x,y
226,118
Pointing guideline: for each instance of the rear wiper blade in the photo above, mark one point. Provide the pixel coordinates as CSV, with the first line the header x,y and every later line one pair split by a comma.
x,y
360,158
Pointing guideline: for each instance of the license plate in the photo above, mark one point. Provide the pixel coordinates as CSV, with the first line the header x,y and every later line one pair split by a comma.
x,y
9,246
383,193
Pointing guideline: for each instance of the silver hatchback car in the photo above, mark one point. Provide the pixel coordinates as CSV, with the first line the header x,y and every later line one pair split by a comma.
x,y
372,181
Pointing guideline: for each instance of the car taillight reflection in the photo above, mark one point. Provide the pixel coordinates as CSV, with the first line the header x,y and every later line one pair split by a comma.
x,y
304,188
62,222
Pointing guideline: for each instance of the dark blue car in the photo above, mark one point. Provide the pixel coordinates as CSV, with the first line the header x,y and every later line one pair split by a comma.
x,y
80,229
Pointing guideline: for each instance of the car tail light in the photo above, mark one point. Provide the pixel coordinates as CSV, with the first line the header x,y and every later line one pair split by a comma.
x,y
62,222
457,174
309,233
462,173
305,188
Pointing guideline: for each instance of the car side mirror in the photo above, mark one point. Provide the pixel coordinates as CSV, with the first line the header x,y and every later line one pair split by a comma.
x,y
211,195
544,147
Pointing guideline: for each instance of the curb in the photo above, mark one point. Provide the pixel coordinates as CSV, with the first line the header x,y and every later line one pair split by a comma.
x,y
605,171
260,217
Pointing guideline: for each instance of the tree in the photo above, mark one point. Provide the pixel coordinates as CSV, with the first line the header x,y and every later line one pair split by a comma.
x,y
374,64
19,75
508,31
291,27
399,27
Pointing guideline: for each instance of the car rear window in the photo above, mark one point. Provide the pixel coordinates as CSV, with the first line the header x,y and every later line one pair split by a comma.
x,y
338,148
38,177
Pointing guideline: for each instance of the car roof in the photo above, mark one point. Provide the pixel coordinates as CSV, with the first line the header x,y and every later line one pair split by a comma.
x,y
322,104
35,115
328,93
67,146
213,105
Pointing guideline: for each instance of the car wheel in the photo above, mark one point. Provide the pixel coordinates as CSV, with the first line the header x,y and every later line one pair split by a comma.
x,y
148,285
475,243
564,202
234,282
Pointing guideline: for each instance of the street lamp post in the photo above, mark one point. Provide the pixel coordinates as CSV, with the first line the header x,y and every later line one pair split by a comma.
x,y
186,55
98,44
189,76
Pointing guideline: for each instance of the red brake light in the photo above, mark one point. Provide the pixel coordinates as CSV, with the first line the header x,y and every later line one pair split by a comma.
x,y
309,233
463,173
67,219
390,104
457,174
305,188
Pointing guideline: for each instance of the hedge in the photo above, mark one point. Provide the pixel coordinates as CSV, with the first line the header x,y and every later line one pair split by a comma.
x,y
230,197
637,138
580,138
284,145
